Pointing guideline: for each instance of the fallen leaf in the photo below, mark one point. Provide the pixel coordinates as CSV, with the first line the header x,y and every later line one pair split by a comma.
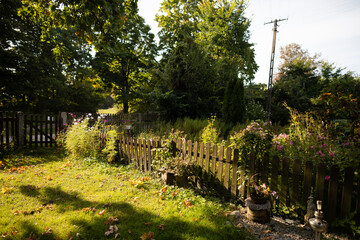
x,y
195,219
161,227
48,177
174,193
148,236
164,189
148,223
129,231
187,203
111,220
102,212
6,190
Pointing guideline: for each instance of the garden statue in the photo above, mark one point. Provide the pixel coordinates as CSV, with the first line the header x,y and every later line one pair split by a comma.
x,y
310,210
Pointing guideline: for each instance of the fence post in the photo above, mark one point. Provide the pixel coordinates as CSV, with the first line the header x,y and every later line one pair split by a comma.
x,y
63,116
20,130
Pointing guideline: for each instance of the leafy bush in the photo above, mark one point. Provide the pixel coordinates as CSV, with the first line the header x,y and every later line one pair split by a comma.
x,y
310,139
111,149
84,140
210,134
255,137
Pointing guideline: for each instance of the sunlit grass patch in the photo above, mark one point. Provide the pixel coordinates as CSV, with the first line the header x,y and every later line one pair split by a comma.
x,y
72,199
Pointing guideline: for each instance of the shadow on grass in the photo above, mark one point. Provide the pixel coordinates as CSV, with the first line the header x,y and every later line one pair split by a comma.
x,y
131,222
34,156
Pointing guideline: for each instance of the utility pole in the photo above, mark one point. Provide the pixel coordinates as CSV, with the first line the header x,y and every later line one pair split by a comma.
x,y
268,104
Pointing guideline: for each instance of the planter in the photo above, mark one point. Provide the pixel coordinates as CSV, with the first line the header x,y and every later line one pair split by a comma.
x,y
258,212
258,199
167,177
181,180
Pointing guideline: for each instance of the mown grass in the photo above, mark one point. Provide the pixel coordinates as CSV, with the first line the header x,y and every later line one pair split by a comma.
x,y
48,196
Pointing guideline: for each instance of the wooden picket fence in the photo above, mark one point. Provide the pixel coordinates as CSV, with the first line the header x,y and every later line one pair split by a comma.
x,y
21,129
8,128
32,130
293,180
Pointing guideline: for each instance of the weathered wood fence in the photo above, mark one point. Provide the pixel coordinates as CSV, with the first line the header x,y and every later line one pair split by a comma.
x,y
294,181
19,129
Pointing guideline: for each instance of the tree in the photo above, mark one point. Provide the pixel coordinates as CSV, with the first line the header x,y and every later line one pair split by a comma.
x,y
32,78
187,83
298,81
121,63
234,105
220,29
92,20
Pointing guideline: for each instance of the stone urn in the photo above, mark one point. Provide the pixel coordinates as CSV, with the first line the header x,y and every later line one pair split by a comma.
x,y
258,210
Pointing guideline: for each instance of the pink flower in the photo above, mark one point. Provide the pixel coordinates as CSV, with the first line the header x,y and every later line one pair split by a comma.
x,y
280,147
291,143
104,121
320,153
327,178
331,154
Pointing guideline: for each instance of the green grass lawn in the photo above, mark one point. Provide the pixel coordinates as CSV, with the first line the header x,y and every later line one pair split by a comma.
x,y
45,195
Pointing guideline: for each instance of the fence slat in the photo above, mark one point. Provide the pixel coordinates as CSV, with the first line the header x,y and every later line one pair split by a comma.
x,y
284,181
265,169
46,130
332,193
137,148
234,181
227,169
201,155
149,158
189,147
274,173
307,181
346,193
220,163
320,180
207,158
195,150
296,175
144,155
213,160
131,143
51,131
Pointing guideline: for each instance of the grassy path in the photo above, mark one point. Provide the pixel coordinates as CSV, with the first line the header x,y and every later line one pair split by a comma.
x,y
48,196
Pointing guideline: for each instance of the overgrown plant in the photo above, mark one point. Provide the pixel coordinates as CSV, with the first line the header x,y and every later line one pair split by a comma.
x,y
83,140
309,139
111,148
256,137
210,133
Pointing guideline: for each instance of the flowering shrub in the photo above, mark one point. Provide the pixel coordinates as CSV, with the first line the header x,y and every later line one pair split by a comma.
x,y
309,139
255,137
82,139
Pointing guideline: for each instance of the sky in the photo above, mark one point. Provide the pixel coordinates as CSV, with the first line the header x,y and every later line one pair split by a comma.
x,y
327,27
